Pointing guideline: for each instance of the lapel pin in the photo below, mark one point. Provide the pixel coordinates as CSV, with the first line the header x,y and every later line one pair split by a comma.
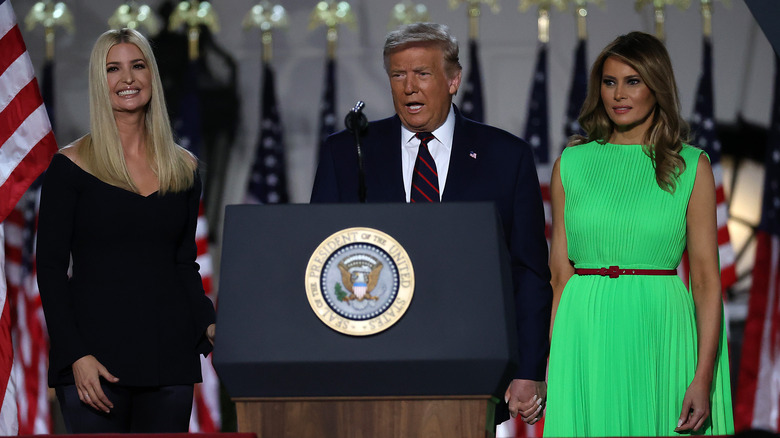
x,y
473,155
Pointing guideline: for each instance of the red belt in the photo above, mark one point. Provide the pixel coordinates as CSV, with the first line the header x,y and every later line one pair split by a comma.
x,y
615,272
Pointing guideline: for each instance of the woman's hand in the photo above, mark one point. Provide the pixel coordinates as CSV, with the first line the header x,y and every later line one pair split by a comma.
x,y
87,372
695,408
526,398
211,331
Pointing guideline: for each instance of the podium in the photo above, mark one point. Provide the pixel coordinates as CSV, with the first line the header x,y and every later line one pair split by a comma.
x,y
438,370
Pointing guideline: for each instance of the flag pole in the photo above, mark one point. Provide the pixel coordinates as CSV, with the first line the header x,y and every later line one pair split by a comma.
x,y
474,11
266,17
206,414
50,15
267,182
472,104
332,14
194,13
659,12
581,14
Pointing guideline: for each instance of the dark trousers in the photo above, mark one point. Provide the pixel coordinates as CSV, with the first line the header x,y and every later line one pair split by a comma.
x,y
136,409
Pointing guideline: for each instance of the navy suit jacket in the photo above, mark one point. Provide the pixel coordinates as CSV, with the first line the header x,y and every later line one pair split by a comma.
x,y
486,164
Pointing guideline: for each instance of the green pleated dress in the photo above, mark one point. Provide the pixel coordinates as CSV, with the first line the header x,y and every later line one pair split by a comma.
x,y
624,349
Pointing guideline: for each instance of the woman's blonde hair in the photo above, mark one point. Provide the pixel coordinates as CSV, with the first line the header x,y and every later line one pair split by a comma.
x,y
101,151
663,140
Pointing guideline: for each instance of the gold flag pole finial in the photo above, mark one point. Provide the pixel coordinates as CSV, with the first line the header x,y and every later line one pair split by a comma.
x,y
266,17
658,8
332,14
49,14
194,13
407,12
543,18
581,12
134,16
706,15
474,11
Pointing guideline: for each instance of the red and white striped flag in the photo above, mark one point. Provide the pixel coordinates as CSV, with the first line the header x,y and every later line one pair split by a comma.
x,y
205,415
8,421
758,389
26,139
205,405
26,147
705,137
757,403
537,133
538,136
31,345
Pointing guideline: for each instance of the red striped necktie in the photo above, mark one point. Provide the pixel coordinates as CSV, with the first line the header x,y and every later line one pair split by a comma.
x,y
425,181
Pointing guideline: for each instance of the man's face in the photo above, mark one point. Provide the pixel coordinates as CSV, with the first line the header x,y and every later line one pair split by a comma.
x,y
422,90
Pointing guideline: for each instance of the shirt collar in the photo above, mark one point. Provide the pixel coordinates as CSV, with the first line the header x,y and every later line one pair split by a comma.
x,y
443,133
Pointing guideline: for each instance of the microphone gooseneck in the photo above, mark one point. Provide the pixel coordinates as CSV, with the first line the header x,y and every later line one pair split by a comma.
x,y
356,123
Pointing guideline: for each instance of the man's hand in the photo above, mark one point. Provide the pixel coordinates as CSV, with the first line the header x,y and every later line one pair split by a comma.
x,y
526,398
87,372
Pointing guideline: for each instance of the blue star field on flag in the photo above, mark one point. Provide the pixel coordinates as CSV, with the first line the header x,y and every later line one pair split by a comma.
x,y
705,137
536,128
267,182
770,212
472,105
577,92
328,103
188,124
703,121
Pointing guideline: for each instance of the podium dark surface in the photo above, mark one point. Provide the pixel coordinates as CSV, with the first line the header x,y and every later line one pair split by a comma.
x,y
457,338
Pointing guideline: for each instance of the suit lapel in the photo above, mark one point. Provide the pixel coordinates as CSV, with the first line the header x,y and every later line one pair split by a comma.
x,y
463,163
384,174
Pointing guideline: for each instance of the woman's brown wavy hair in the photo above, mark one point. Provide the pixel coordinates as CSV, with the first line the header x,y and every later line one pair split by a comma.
x,y
663,140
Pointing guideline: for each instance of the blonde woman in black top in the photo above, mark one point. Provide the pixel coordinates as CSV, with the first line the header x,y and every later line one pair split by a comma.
x,y
127,325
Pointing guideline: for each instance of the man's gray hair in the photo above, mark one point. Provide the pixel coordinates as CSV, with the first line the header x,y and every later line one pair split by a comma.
x,y
424,33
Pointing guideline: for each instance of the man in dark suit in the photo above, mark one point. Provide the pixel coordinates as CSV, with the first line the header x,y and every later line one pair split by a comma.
x,y
453,159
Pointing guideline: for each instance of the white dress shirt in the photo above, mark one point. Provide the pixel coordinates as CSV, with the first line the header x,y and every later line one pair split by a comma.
x,y
440,149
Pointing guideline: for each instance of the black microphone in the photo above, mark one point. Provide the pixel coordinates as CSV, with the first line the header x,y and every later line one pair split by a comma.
x,y
356,121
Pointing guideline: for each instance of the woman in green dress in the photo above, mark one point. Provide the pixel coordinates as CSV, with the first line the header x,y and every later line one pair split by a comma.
x,y
633,352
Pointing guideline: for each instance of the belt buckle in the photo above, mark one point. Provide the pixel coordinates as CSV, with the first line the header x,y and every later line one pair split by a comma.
x,y
611,272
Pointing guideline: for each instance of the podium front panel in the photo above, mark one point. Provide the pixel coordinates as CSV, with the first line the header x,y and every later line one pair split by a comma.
x,y
456,338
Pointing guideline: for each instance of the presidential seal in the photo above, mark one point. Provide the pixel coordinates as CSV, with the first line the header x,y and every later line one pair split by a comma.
x,y
359,281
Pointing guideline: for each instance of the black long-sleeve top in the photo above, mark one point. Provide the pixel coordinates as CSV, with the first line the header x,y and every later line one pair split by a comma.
x,y
134,299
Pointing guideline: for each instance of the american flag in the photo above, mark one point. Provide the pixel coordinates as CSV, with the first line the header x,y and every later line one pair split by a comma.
x,y
538,135
31,341
328,103
206,415
757,403
703,127
537,132
9,424
268,181
26,147
472,105
26,139
577,92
